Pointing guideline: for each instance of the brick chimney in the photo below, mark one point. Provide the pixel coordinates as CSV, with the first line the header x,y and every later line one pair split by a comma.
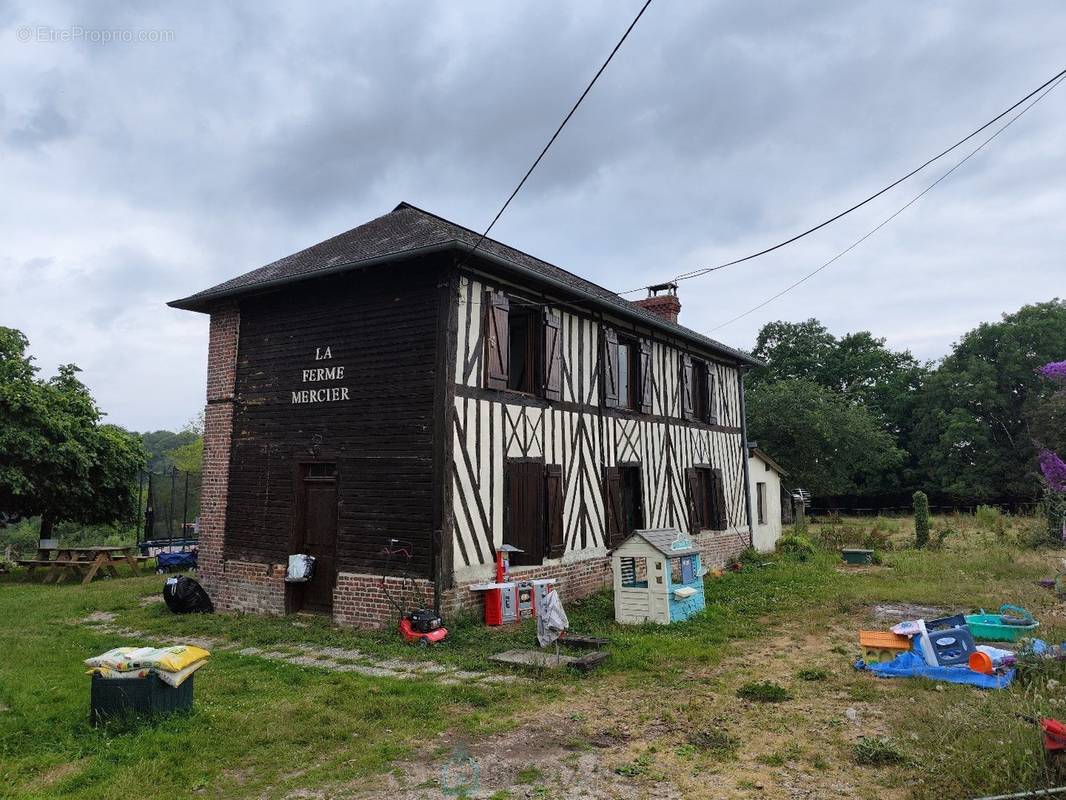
x,y
662,301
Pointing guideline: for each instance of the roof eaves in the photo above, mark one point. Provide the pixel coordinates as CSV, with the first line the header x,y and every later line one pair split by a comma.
x,y
202,301
756,451
633,313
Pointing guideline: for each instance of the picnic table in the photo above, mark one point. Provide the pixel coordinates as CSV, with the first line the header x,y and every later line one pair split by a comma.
x,y
84,562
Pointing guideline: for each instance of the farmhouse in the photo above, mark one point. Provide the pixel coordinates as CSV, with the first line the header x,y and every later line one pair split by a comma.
x,y
400,388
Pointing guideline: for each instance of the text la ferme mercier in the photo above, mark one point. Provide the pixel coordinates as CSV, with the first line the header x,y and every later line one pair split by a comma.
x,y
318,374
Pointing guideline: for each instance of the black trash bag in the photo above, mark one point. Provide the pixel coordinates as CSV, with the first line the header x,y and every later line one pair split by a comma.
x,y
185,596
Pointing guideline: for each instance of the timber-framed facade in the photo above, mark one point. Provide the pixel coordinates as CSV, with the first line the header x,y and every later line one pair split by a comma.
x,y
395,383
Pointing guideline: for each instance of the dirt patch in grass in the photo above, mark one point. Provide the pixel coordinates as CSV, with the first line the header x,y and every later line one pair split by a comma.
x,y
54,775
691,738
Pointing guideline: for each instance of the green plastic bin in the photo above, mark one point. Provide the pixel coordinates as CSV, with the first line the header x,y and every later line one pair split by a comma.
x,y
854,555
992,628
117,697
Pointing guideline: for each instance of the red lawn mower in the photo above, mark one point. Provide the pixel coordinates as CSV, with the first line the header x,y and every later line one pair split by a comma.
x,y
421,626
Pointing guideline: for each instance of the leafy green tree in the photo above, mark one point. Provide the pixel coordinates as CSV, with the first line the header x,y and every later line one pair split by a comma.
x,y
858,368
161,444
57,460
972,431
189,457
829,445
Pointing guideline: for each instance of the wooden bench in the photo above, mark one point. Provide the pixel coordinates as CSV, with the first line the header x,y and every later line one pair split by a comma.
x,y
58,568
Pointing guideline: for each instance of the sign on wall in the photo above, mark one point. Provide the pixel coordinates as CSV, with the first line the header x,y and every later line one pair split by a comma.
x,y
321,374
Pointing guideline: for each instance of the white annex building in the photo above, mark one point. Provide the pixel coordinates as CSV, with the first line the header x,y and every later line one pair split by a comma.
x,y
765,475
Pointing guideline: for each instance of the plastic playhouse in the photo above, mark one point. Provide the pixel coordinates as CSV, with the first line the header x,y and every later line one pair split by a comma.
x,y
658,577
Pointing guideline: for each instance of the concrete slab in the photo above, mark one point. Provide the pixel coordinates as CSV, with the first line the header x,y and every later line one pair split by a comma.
x,y
545,659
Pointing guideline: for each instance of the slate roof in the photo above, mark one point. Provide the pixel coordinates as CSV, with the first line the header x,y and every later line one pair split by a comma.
x,y
662,538
408,231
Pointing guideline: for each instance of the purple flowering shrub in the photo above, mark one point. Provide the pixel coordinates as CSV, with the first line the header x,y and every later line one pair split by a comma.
x,y
1056,371
1051,464
1054,469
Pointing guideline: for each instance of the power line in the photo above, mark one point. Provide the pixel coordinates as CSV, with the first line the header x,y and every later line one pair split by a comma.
x,y
699,272
887,220
558,130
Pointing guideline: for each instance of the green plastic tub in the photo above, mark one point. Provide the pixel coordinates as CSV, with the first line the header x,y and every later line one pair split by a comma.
x,y
992,628
855,555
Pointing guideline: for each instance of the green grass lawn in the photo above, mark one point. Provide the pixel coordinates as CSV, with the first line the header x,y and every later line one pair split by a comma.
x,y
262,728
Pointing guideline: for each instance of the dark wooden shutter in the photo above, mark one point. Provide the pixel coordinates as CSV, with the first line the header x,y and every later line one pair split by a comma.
x,y
524,511
721,514
612,506
553,355
712,406
553,488
696,501
610,368
688,387
645,377
497,308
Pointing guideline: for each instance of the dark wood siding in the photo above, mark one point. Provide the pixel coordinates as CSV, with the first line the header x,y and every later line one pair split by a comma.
x,y
382,328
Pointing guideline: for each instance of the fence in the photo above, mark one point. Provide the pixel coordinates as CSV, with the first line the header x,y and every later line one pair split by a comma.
x,y
169,507
1024,509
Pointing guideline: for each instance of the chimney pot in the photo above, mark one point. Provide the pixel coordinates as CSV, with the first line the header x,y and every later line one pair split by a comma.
x,y
662,301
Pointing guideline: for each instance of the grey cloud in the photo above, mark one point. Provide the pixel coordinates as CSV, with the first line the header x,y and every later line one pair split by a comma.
x,y
149,171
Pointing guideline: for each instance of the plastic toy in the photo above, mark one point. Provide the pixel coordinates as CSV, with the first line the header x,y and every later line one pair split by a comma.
x,y
882,646
657,577
948,647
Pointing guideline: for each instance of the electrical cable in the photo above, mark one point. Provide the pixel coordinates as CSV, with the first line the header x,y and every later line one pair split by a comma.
x,y
705,270
887,220
555,135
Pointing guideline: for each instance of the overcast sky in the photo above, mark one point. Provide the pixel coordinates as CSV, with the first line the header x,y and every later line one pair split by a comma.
x,y
135,172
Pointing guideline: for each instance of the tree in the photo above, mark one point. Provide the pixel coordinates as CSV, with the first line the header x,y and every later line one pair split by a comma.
x,y
973,417
829,445
161,444
858,368
189,457
56,459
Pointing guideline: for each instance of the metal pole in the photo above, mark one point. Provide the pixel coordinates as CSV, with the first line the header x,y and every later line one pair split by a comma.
x,y
140,504
170,509
1034,793
437,567
185,513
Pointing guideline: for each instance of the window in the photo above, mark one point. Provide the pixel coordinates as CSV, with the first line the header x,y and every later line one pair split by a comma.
x,y
634,572
626,372
698,391
522,354
523,348
760,501
625,503
320,470
629,374
706,499
533,510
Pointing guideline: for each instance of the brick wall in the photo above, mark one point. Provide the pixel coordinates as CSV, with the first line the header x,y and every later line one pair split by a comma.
x,y
218,431
359,602
251,586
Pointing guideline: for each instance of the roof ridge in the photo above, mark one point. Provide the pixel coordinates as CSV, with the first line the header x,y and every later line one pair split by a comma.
x,y
394,235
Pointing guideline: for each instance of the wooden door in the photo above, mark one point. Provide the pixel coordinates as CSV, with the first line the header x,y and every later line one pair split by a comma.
x,y
525,511
317,535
